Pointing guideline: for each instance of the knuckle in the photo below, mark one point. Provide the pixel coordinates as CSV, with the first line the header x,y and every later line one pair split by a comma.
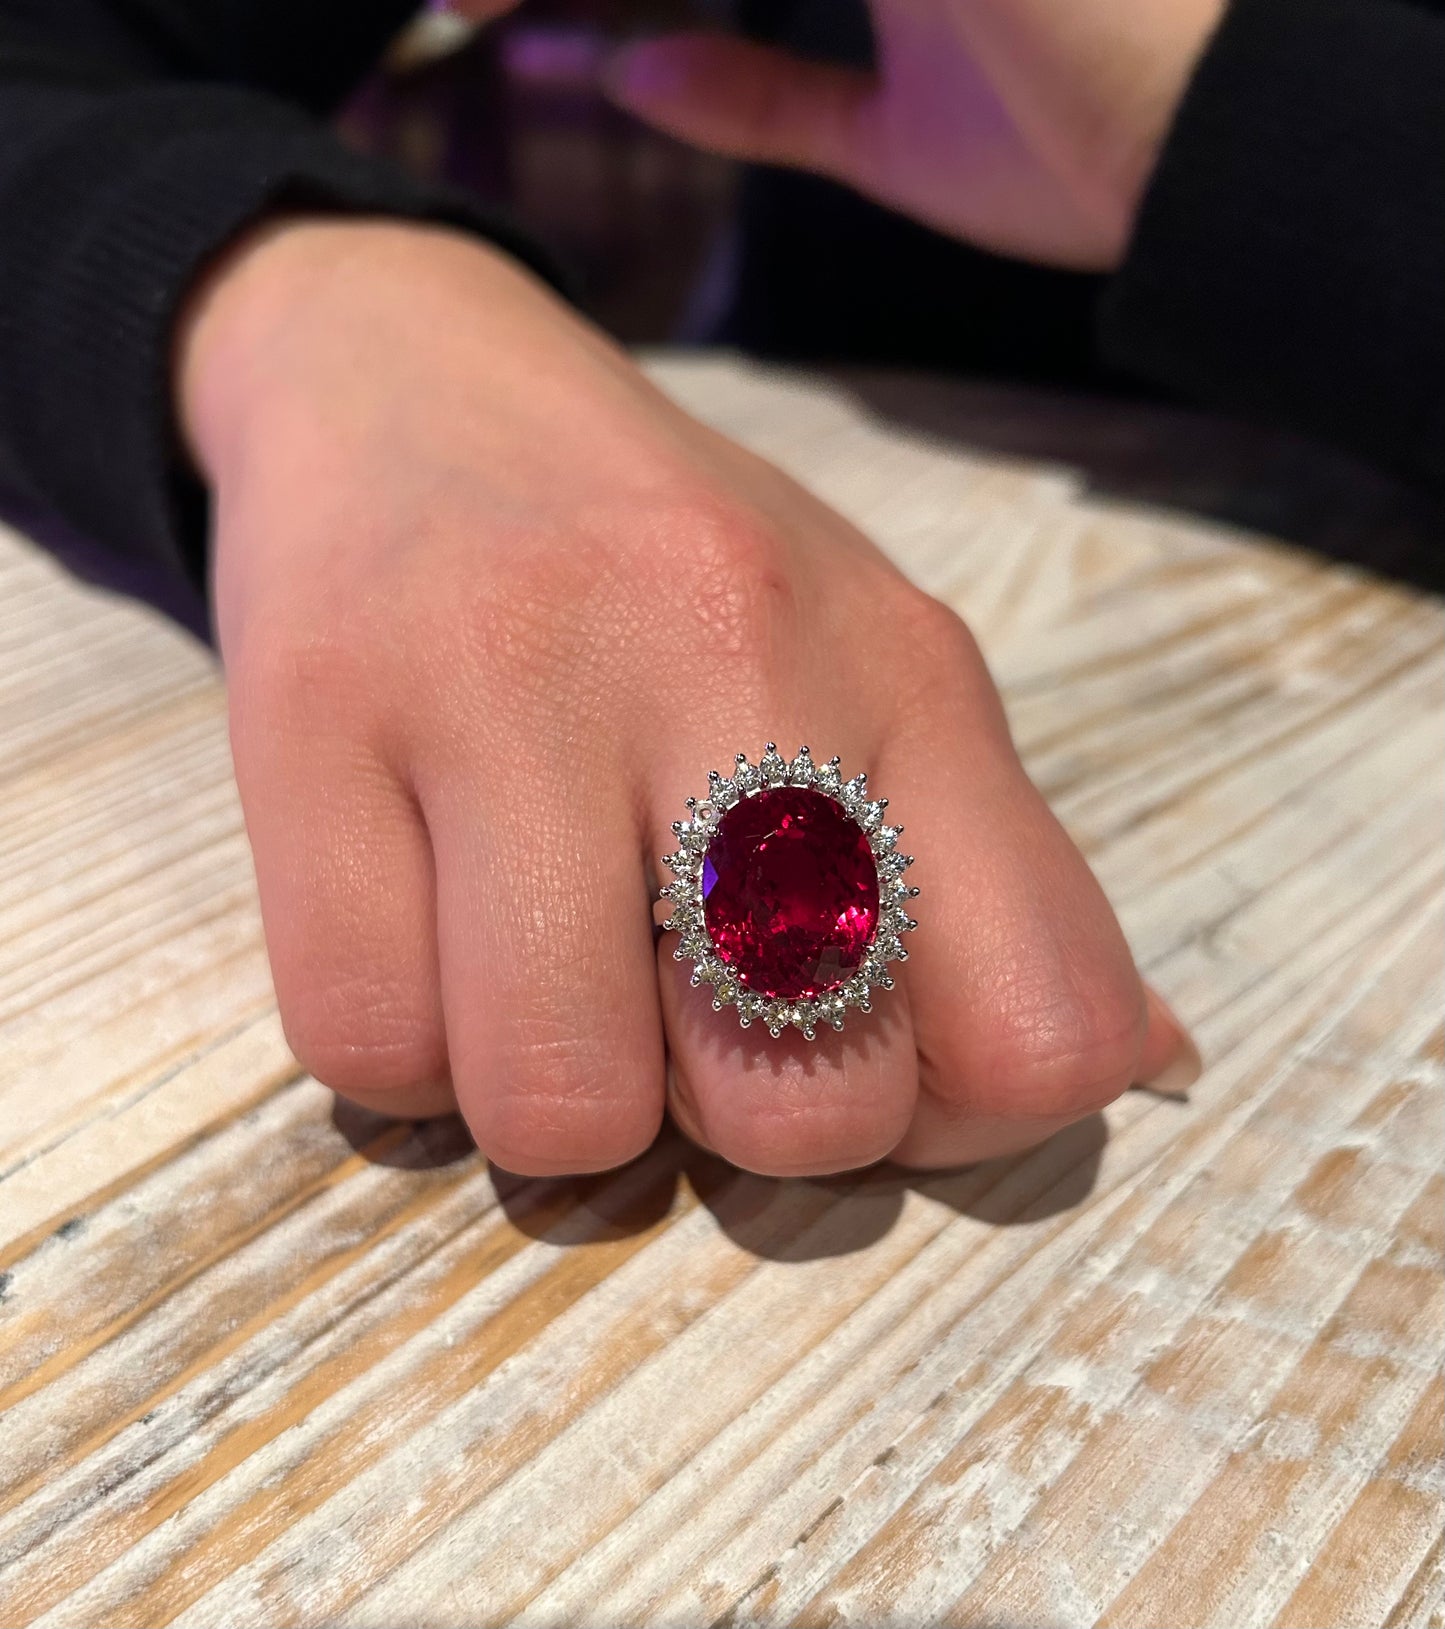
x,y
550,1133
350,1063
804,1139
1065,1057
559,1110
301,680
726,574
785,1155
570,627
557,615
361,1037
945,662
937,637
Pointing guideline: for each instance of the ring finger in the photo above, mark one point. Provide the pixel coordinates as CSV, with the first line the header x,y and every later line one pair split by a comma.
x,y
785,1105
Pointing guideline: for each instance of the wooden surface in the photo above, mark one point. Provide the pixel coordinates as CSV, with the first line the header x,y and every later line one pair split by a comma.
x,y
264,1362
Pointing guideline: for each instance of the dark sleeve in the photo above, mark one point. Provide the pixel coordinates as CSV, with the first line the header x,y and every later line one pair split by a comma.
x,y
136,138
1289,257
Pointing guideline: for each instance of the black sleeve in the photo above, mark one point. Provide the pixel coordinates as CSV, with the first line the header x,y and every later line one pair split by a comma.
x,y
136,138
1289,257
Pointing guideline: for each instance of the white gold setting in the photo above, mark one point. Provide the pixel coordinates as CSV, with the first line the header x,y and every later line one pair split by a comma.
x,y
685,892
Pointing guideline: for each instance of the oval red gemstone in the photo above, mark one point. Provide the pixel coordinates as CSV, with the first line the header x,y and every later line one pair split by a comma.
x,y
790,893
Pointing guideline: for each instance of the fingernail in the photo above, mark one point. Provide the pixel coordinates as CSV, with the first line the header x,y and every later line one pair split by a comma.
x,y
1186,1064
1180,1075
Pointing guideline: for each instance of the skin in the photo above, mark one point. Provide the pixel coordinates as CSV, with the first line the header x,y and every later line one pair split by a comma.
x,y
489,606
1029,127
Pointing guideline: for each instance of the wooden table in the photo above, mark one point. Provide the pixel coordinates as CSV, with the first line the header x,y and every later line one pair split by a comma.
x,y
266,1361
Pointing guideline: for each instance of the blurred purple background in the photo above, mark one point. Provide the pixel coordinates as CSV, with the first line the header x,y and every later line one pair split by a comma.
x,y
516,114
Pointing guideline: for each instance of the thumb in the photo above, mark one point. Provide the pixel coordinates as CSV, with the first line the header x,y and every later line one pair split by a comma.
x,y
746,101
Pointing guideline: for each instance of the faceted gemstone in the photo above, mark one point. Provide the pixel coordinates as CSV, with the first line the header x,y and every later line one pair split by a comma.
x,y
790,892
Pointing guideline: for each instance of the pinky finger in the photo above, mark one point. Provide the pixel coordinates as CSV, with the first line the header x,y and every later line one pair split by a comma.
x,y
945,1132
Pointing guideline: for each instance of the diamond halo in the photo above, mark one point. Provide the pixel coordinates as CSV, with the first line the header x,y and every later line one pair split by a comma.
x,y
689,917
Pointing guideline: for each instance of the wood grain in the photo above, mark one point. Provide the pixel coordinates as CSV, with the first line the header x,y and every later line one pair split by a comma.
x,y
264,1361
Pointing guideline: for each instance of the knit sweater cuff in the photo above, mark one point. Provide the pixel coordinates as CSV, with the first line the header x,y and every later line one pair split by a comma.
x,y
1294,230
110,218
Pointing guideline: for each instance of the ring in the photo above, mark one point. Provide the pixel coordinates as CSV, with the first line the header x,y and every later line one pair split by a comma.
x,y
788,896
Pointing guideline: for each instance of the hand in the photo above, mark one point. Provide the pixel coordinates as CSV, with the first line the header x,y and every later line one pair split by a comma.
x,y
1028,127
489,607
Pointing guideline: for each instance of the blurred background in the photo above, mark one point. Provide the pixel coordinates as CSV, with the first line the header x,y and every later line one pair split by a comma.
x,y
668,244
514,112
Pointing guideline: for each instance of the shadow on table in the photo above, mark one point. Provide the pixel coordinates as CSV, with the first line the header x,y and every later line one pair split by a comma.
x,y
403,1145
1241,475
793,1219
806,1218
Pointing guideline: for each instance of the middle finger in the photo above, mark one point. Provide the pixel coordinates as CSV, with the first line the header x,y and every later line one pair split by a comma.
x,y
548,987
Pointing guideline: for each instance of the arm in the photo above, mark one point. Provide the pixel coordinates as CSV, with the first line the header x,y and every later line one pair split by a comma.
x,y
135,141
1289,257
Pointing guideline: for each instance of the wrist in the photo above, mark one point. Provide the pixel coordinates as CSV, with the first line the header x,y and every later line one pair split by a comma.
x,y
247,332
216,328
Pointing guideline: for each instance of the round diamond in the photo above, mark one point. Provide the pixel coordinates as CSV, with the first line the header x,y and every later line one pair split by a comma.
x,y
790,891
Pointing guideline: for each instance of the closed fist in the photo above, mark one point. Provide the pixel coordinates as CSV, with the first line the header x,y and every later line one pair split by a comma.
x,y
489,607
